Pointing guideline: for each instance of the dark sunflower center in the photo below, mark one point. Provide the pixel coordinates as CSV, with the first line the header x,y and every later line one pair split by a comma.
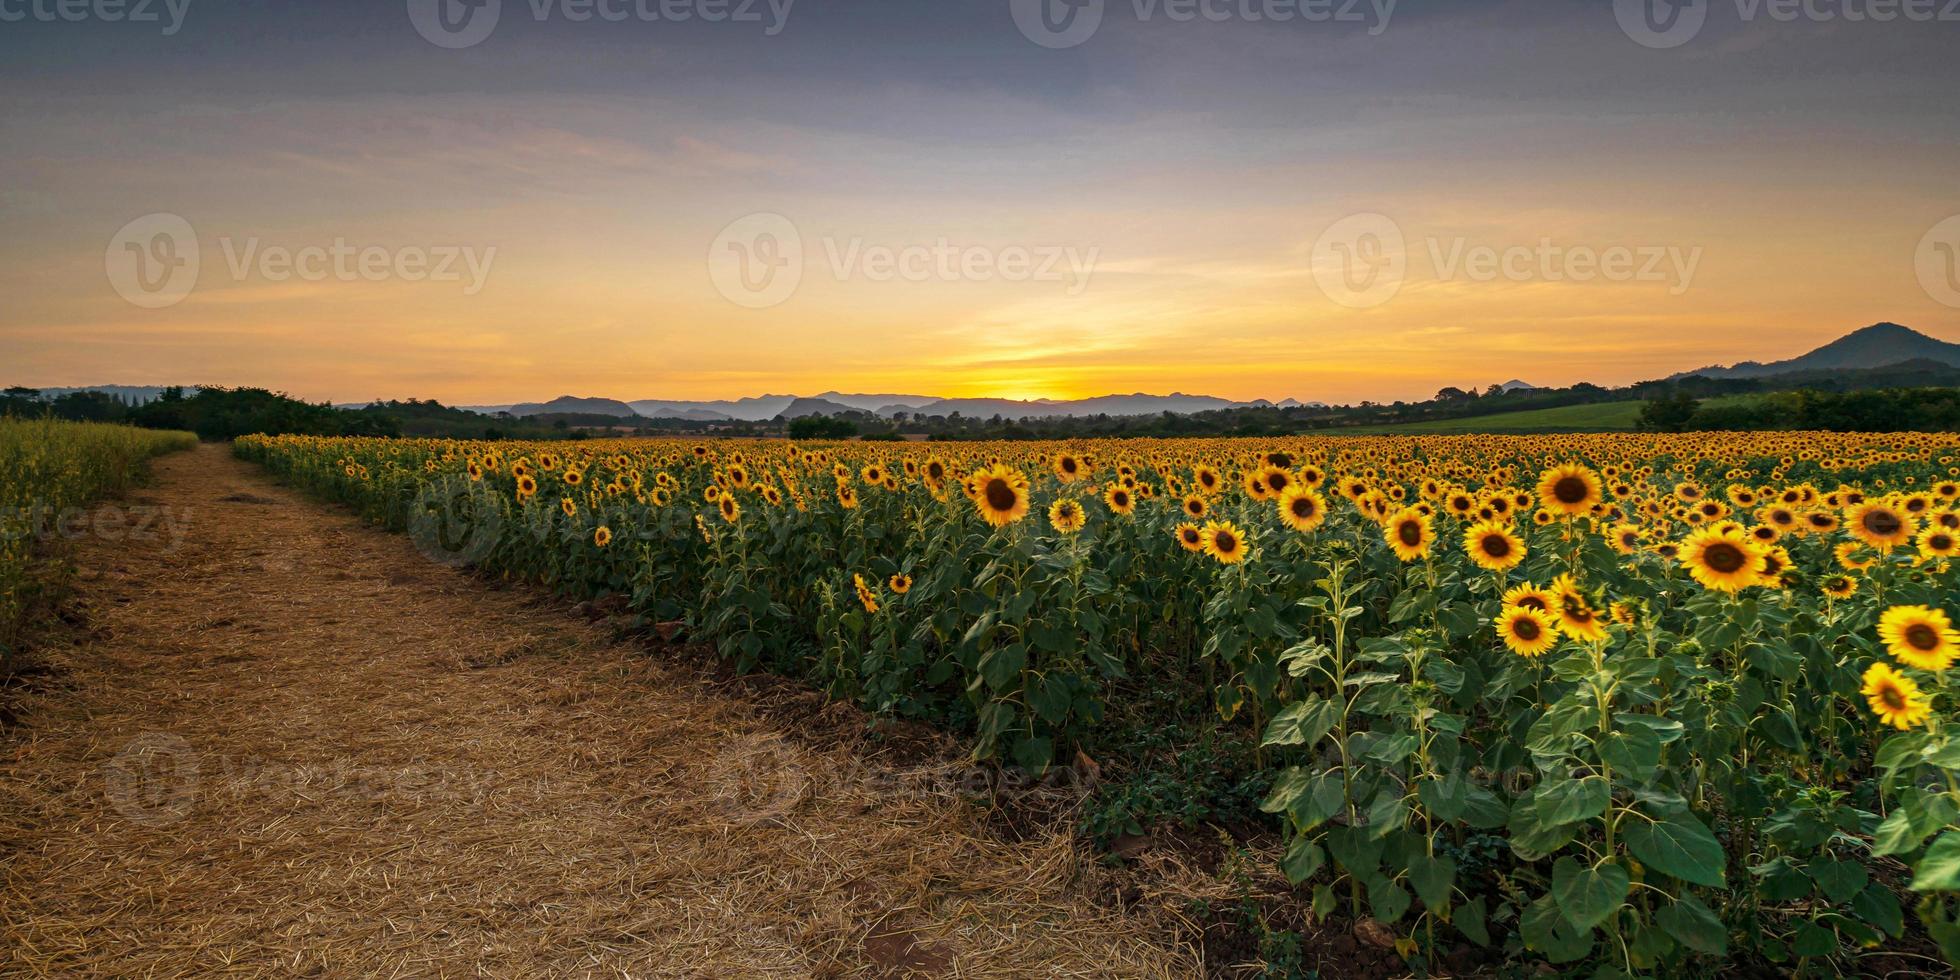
x,y
1277,481
1068,466
1191,536
1526,628
1496,545
1302,507
934,470
1001,496
1410,533
1723,557
1882,522
1893,697
1225,541
1920,636
1533,602
1569,490
1121,499
1941,542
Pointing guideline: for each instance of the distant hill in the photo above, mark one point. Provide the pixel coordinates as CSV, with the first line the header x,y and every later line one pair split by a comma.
x,y
1876,346
1132,404
812,406
1515,385
569,405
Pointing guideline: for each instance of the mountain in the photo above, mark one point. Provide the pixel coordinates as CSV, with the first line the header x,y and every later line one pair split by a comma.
x,y
569,405
755,408
1879,345
813,406
1516,385
1132,404
873,403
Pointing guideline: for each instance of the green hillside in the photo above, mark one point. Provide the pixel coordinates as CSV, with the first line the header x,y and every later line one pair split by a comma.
x,y
1596,417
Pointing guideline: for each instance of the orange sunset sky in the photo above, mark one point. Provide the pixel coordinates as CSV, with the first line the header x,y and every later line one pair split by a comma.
x,y
1803,164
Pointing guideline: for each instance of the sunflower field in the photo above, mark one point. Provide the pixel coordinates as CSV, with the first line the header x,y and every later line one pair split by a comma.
x,y
48,467
1622,704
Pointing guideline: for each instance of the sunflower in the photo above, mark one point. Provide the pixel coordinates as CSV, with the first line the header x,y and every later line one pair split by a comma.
x,y
601,536
1569,490
1894,698
848,497
865,594
1069,467
1529,596
1066,515
900,583
1207,479
527,486
1574,613
1492,545
1189,537
1194,507
1879,525
1625,538
1409,533
1275,478
1118,497
1527,632
1001,494
567,505
1919,636
1720,558
1225,542
730,510
1302,507
1255,485
1938,542
1846,561
1840,586
934,471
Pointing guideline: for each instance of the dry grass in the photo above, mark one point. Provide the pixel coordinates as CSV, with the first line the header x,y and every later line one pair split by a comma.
x,y
292,746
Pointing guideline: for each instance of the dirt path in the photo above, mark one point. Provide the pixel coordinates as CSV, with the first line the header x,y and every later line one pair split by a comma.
x,y
292,746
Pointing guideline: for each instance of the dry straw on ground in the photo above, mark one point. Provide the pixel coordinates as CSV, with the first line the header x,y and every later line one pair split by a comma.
x,y
293,746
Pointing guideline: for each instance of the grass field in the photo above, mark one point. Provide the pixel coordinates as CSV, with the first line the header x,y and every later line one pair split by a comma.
x,y
1597,417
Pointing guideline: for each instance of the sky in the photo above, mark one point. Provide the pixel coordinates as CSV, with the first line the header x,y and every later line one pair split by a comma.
x,y
1330,200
